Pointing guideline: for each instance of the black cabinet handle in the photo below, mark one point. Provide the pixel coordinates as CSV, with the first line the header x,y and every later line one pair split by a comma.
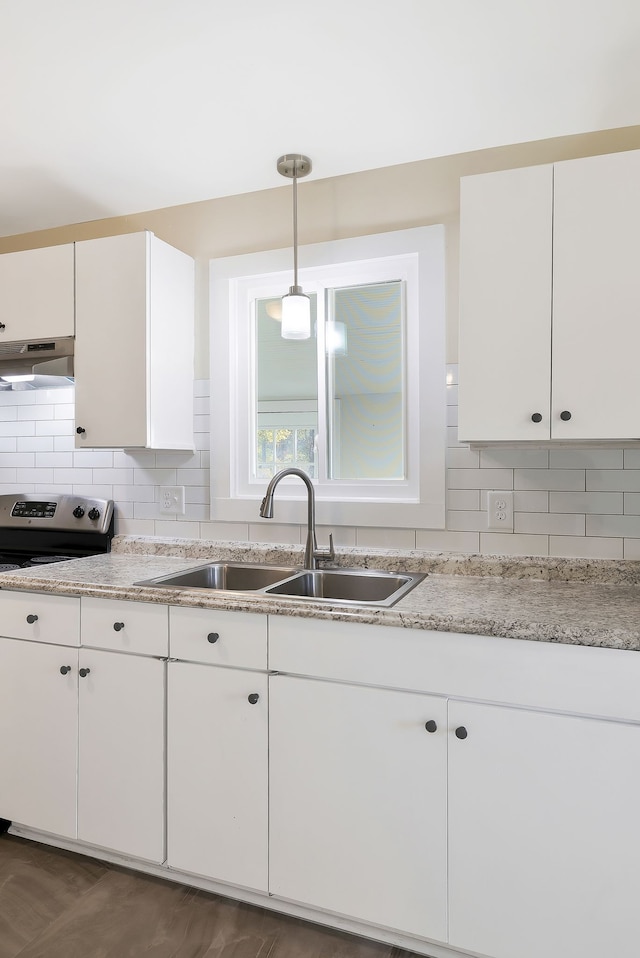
x,y
253,698
31,619
431,726
565,415
83,673
461,732
118,626
213,637
80,430
2,326
537,417
64,669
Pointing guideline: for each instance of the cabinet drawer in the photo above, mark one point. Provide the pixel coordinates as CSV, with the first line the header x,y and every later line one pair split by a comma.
x,y
221,638
42,618
123,626
547,675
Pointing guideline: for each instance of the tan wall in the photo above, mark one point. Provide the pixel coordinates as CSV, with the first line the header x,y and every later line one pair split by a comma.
x,y
396,197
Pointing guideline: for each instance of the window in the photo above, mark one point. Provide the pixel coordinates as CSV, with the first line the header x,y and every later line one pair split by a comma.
x,y
359,405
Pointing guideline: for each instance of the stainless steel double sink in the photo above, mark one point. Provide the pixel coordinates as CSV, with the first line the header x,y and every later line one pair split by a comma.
x,y
337,586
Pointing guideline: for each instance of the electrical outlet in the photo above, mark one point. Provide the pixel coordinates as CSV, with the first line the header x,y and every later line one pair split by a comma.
x,y
172,500
500,511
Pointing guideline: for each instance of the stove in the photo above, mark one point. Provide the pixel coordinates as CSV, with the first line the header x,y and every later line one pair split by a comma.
x,y
37,529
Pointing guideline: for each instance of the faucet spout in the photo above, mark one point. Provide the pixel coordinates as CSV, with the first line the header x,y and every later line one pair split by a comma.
x,y
311,553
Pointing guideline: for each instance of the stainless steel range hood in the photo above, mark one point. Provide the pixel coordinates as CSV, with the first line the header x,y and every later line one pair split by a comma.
x,y
48,357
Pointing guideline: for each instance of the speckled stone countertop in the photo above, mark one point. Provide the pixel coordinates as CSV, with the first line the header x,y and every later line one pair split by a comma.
x,y
576,601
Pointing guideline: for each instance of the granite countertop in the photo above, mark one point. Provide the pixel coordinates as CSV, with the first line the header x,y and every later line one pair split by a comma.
x,y
579,602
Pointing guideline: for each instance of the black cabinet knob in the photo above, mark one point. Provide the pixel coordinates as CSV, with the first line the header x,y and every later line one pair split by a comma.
x,y
213,637
83,673
64,669
2,326
431,726
253,698
80,430
565,415
31,619
461,732
118,626
537,417
78,512
94,514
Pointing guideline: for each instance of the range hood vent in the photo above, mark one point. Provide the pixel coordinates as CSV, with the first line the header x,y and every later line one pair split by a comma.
x,y
50,357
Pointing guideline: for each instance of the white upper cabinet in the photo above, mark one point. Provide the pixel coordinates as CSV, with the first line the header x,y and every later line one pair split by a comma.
x,y
549,302
134,343
36,294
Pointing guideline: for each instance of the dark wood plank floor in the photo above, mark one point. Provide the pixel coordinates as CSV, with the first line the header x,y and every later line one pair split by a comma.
x,y
54,904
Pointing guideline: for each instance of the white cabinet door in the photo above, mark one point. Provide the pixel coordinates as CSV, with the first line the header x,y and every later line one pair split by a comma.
x,y
121,753
505,305
36,294
544,846
357,800
134,343
596,297
39,734
217,773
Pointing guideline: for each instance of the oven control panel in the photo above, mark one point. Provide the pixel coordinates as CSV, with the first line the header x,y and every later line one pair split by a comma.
x,y
34,510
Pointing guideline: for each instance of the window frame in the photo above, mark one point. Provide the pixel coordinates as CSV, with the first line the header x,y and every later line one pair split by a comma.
x,y
338,502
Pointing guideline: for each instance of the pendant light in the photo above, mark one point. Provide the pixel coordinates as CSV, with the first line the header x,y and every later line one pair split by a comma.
x,y
296,305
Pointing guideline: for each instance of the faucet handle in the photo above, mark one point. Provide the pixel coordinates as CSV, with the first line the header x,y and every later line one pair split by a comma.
x,y
326,555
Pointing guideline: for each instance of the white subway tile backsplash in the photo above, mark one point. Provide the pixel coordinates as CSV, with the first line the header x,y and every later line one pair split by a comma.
x,y
342,535
436,540
537,501
225,531
464,499
549,479
585,458
34,444
548,523
586,502
373,538
518,544
480,478
586,547
613,480
613,526
568,501
498,458
463,458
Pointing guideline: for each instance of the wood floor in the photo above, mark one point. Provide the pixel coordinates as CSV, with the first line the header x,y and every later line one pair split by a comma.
x,y
54,904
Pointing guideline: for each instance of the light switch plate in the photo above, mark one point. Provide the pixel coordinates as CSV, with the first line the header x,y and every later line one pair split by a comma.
x,y
500,511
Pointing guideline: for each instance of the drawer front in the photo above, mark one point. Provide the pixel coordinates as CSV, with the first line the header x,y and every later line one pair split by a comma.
x,y
219,638
123,626
42,618
546,675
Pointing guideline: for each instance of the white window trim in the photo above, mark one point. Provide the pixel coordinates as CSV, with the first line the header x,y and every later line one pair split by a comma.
x,y
230,277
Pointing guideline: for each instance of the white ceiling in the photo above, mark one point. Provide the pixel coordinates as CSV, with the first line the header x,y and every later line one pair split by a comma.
x,y
116,107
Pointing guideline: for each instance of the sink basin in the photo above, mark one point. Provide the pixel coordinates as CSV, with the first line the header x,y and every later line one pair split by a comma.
x,y
358,586
227,576
337,586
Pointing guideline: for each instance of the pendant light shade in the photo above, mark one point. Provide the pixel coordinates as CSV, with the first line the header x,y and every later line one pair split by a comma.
x,y
296,305
296,314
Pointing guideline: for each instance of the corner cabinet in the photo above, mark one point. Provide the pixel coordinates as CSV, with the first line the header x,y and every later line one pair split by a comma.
x,y
549,301
134,343
36,294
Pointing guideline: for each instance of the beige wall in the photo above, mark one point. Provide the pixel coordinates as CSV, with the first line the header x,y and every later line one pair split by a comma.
x,y
397,197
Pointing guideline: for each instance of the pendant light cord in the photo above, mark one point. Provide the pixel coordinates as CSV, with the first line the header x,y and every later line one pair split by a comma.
x,y
295,230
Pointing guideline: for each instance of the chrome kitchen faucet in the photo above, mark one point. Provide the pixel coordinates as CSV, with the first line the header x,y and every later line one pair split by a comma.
x,y
312,555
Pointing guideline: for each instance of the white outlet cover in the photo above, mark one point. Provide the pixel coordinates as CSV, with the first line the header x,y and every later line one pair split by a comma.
x,y
500,511
172,500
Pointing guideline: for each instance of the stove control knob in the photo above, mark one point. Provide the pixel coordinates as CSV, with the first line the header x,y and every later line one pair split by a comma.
x,y
78,512
94,514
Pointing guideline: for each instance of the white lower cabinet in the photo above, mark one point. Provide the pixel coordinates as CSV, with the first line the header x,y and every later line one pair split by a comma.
x,y
39,733
358,802
217,753
544,846
121,753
